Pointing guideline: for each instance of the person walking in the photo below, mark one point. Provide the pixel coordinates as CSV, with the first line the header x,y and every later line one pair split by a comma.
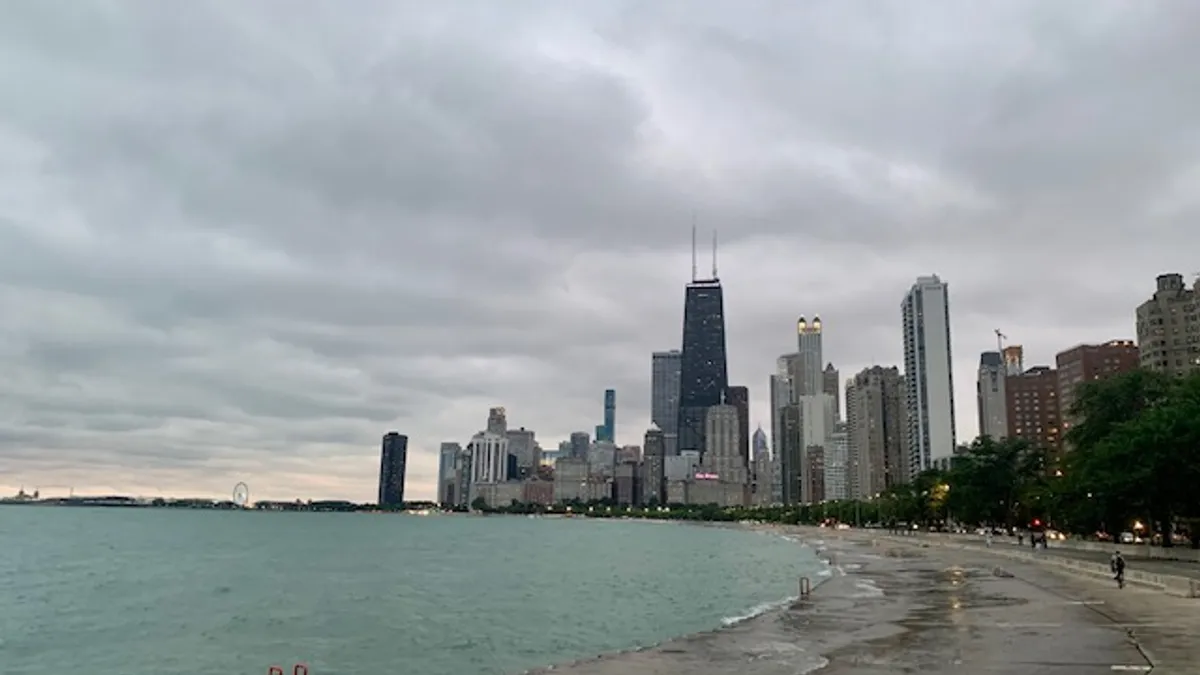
x,y
1118,567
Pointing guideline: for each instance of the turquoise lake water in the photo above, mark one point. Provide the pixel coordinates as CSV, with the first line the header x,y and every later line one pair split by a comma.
x,y
155,592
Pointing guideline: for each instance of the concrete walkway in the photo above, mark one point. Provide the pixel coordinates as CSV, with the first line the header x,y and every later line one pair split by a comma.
x,y
895,608
1163,628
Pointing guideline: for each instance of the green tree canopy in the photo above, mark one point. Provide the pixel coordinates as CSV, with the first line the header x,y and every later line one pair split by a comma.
x,y
1135,452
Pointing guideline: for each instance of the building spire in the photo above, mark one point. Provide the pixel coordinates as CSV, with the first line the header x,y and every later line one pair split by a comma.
x,y
693,248
714,274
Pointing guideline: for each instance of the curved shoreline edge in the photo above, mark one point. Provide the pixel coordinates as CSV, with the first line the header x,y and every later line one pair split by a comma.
x,y
762,612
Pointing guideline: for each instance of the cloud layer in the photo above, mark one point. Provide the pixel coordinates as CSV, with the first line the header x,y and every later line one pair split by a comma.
x,y
242,241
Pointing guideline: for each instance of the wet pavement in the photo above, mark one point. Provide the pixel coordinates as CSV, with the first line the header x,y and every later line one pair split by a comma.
x,y
1165,629
972,614
897,609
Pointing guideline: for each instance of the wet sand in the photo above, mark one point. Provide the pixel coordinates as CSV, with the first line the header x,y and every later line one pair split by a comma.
x,y
896,609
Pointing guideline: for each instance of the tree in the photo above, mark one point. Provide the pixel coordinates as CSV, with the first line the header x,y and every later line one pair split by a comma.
x,y
1136,451
997,482
479,504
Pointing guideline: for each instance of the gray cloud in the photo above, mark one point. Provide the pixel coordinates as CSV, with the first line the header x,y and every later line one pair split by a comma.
x,y
240,242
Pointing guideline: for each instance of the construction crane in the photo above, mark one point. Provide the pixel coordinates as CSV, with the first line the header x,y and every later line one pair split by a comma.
x,y
1000,338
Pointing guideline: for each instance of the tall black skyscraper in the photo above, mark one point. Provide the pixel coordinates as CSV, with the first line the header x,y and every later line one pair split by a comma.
x,y
391,469
703,376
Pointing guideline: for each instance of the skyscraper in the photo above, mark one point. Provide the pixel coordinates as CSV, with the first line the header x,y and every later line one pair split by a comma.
x,y
811,378
929,398
489,458
664,396
580,444
836,461
654,489
497,421
522,445
817,425
723,466
703,374
448,461
989,394
392,463
833,386
739,397
761,469
787,437
876,429
610,416
790,454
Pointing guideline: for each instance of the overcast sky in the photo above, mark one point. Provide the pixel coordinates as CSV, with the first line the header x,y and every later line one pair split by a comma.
x,y
239,241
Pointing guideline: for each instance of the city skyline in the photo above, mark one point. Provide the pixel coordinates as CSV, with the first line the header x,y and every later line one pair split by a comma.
x,y
226,293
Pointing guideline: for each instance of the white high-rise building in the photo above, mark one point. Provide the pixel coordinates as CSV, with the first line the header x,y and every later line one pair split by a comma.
x,y
929,398
489,457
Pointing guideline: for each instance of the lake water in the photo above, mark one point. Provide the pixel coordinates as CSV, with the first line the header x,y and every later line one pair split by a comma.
x,y
155,592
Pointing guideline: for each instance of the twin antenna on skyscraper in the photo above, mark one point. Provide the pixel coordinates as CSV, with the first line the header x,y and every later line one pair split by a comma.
x,y
695,270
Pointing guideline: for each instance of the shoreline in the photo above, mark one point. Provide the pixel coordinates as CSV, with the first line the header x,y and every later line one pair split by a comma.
x,y
762,612
890,607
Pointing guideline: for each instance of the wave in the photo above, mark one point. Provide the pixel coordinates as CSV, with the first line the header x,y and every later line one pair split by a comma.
x,y
758,610
867,589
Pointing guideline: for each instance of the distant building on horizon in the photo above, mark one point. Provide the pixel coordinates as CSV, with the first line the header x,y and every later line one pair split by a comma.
x,y
489,458
739,397
833,387
664,396
497,421
928,375
876,428
1032,408
723,477
809,379
526,454
608,430
1089,363
581,444
787,433
393,458
989,396
762,469
448,491
836,462
654,454
1167,325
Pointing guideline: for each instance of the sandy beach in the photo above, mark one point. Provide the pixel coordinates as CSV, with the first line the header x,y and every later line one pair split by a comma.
x,y
894,608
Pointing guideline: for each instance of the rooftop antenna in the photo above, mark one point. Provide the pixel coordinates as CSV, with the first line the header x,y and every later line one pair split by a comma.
x,y
714,276
693,248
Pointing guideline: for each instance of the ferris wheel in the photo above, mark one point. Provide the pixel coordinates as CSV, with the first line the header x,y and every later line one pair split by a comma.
x,y
241,494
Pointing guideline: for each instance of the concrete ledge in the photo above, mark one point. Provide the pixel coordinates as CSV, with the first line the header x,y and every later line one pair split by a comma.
x,y
1132,551
1170,584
